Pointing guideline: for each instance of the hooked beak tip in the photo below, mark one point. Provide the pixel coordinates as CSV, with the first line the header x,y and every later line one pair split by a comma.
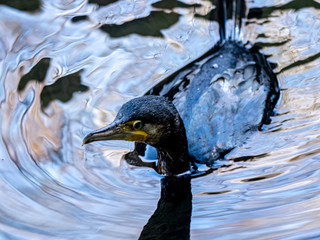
x,y
109,132
86,139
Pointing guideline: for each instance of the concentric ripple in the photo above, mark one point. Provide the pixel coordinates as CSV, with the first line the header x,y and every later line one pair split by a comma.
x,y
66,68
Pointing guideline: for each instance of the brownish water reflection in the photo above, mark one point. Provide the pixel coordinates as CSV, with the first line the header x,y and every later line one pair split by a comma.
x,y
54,189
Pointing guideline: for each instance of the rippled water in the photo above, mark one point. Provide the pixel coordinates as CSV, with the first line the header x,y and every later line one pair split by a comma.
x,y
63,74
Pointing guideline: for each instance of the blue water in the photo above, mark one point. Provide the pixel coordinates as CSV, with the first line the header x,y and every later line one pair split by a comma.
x,y
53,188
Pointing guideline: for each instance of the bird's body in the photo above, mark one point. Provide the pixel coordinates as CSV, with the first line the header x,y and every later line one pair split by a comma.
x,y
222,98
215,105
203,110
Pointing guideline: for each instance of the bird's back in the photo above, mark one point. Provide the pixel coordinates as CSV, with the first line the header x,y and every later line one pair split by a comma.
x,y
225,101
226,94
222,98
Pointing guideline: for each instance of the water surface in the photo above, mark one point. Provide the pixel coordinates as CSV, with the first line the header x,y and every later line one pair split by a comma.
x,y
68,66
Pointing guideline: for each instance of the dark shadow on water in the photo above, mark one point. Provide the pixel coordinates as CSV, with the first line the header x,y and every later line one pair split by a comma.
x,y
147,26
249,158
24,5
163,17
210,16
260,178
62,89
266,12
171,4
79,18
261,45
37,73
301,62
157,20
171,220
102,2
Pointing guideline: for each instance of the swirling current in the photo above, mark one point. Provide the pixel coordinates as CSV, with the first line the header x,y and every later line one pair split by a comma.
x,y
68,66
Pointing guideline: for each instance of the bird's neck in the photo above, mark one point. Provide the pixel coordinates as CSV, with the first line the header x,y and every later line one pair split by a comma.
x,y
173,158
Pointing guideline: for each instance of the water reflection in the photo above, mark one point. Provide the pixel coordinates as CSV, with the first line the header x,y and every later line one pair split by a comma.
x,y
162,19
79,18
62,89
171,4
30,5
52,189
301,62
266,12
102,2
171,220
37,73
147,26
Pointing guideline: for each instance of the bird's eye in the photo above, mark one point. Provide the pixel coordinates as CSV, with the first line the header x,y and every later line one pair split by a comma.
x,y
137,125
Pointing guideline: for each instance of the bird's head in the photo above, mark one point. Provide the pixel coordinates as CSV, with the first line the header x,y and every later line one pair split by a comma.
x,y
150,119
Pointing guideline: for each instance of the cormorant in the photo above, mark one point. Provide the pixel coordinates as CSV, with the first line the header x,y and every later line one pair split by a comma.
x,y
214,104
153,120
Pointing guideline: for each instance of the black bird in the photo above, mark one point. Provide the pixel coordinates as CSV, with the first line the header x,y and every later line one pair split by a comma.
x,y
214,104
229,96
153,120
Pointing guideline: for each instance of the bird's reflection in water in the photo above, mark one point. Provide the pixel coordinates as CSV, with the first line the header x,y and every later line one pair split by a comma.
x,y
171,220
